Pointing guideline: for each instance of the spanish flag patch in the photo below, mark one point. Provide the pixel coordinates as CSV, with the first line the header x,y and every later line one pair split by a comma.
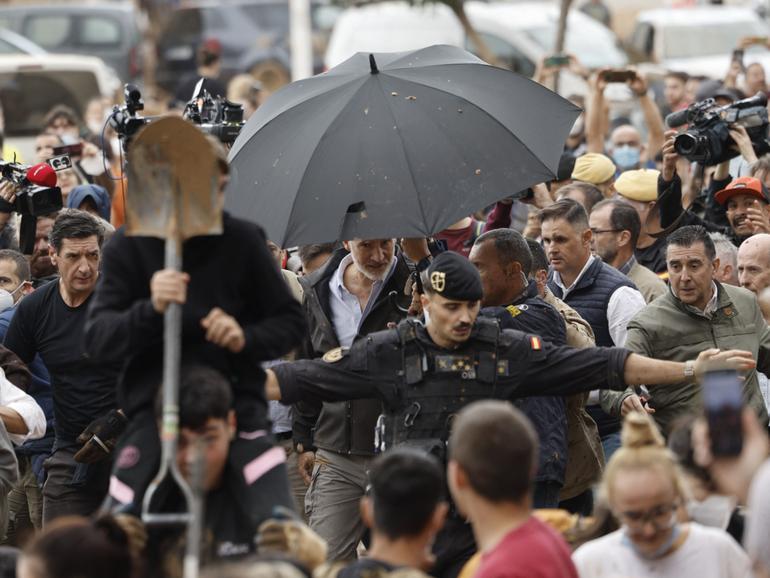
x,y
535,342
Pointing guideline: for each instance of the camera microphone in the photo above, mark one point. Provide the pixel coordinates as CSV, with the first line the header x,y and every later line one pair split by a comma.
x,y
677,118
42,175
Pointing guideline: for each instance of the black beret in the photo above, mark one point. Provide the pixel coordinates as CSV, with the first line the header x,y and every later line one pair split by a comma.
x,y
452,276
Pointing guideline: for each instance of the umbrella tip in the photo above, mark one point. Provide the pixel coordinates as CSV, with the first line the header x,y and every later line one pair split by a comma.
x,y
373,64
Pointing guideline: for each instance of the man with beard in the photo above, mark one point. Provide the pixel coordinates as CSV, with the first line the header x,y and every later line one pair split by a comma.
x,y
355,293
615,228
426,374
41,266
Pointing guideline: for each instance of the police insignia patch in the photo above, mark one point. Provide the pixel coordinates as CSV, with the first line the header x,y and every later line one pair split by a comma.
x,y
513,310
333,355
438,281
535,342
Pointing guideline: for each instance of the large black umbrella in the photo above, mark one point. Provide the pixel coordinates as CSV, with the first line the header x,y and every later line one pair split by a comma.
x,y
393,144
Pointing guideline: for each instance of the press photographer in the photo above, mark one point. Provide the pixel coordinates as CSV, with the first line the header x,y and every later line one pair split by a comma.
x,y
707,139
31,192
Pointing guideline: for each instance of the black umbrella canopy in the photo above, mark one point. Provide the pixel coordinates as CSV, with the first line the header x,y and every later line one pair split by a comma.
x,y
393,144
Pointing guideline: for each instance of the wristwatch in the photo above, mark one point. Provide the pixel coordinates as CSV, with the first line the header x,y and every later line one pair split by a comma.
x,y
689,368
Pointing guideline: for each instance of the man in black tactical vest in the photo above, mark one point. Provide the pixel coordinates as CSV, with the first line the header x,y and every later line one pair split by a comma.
x,y
425,374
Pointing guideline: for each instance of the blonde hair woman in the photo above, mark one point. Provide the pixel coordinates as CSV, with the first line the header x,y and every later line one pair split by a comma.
x,y
645,490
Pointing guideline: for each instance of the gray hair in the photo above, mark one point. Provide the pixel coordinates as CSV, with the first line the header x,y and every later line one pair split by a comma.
x,y
727,253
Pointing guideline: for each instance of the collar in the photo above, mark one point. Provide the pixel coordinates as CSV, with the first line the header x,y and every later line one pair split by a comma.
x,y
566,290
337,282
711,306
529,292
628,265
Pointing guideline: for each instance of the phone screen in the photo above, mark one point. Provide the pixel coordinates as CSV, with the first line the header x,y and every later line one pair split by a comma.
x,y
723,400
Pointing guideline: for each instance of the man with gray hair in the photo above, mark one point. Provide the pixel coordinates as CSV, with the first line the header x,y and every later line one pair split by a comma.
x,y
727,253
355,293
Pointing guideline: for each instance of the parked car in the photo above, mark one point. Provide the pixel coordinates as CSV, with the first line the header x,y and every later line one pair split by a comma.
x,y
30,86
697,40
109,31
12,43
519,34
253,34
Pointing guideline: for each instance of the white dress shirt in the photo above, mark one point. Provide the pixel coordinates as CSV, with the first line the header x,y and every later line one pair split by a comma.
x,y
14,398
345,308
625,303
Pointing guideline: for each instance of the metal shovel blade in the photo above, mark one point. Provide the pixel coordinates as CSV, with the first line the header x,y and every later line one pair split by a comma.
x,y
172,182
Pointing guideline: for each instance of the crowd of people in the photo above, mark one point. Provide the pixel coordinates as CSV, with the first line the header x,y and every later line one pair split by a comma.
x,y
519,395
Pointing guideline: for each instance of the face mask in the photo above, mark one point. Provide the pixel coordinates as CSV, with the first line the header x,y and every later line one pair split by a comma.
x,y
626,157
714,511
658,553
6,298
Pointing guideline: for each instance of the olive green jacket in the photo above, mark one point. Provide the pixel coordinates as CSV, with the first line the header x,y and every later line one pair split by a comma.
x,y
668,329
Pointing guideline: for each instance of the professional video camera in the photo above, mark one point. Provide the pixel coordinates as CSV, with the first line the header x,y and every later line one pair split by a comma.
x,y
707,139
216,116
37,191
37,195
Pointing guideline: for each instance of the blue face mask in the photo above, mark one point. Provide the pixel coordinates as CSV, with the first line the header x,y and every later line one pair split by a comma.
x,y
659,552
626,157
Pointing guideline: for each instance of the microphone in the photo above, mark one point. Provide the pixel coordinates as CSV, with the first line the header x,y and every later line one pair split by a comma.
x,y
42,175
677,118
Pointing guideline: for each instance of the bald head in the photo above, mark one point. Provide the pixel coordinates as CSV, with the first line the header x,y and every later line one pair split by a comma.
x,y
626,134
754,263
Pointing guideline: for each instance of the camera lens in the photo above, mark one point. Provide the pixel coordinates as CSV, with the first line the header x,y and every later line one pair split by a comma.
x,y
686,144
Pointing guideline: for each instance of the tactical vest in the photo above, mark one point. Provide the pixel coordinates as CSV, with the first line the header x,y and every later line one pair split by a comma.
x,y
435,385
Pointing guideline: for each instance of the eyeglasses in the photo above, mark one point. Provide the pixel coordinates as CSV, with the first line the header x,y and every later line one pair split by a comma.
x,y
597,231
661,517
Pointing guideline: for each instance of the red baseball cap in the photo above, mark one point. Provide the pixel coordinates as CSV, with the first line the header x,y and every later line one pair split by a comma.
x,y
743,186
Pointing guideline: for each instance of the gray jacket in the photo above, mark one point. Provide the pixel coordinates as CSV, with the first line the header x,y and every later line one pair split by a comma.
x,y
344,427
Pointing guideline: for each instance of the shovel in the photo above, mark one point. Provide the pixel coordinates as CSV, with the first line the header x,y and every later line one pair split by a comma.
x,y
173,194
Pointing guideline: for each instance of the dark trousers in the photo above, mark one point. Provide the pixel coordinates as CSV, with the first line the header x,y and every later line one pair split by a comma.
x,y
582,504
260,466
453,547
71,488
546,494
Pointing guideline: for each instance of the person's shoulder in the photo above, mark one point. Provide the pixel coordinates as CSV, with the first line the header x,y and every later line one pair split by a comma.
x,y
739,296
708,536
232,226
598,548
39,296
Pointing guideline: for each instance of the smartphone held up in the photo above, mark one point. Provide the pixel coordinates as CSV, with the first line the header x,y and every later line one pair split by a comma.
x,y
723,402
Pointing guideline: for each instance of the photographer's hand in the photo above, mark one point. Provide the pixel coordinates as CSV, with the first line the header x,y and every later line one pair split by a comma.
x,y
670,157
168,286
743,143
8,191
638,85
223,330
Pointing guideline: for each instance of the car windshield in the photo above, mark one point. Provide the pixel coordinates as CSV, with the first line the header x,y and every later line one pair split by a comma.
x,y
27,96
687,41
595,47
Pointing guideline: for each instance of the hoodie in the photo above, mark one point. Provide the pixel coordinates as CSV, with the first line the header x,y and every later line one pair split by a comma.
x,y
97,193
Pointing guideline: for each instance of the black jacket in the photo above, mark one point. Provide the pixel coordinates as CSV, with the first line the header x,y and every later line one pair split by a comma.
x,y
233,271
344,427
530,314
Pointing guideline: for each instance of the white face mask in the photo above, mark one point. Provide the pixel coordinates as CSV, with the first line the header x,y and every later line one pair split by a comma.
x,y
7,299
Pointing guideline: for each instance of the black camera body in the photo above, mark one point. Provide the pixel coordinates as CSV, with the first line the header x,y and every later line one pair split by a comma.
x,y
707,139
216,116
31,199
